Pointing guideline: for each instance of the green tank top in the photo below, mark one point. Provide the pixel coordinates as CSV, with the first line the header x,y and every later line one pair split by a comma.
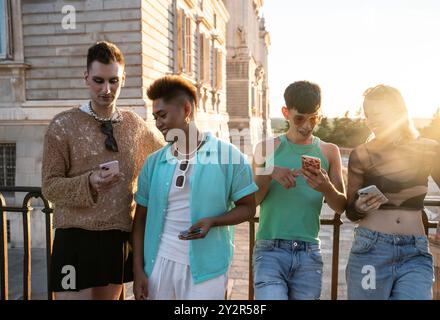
x,y
292,214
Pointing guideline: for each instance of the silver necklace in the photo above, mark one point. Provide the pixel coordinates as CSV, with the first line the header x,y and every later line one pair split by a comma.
x,y
195,150
112,118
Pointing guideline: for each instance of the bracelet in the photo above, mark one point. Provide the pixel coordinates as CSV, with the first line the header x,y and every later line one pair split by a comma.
x,y
353,214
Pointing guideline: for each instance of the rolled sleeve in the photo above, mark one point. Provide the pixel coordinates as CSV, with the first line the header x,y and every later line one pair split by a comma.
x,y
242,182
143,186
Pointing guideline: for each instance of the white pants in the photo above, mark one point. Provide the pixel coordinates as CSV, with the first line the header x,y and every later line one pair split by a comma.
x,y
173,281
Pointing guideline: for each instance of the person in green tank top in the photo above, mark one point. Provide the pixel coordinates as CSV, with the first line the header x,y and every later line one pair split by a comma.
x,y
287,261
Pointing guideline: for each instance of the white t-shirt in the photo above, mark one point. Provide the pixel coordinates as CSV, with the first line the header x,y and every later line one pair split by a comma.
x,y
177,219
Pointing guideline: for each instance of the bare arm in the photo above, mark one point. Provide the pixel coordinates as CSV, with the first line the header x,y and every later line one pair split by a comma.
x,y
140,287
244,211
258,166
355,182
335,195
140,219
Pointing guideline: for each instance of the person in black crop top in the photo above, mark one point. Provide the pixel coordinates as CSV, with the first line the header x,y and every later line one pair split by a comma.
x,y
390,238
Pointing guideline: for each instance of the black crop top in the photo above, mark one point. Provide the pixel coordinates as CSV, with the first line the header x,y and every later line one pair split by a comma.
x,y
400,171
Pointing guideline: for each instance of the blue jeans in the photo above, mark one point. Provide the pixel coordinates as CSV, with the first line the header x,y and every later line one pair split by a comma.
x,y
287,270
384,266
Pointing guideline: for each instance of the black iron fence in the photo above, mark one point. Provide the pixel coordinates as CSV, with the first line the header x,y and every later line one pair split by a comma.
x,y
35,192
25,209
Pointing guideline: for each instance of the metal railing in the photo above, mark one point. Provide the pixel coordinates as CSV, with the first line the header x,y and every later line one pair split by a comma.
x,y
35,192
336,222
25,210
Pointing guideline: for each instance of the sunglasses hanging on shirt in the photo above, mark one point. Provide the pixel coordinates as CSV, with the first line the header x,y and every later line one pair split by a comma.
x,y
110,141
106,126
181,178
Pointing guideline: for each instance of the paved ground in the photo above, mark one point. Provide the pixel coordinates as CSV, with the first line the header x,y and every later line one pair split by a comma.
x,y
239,272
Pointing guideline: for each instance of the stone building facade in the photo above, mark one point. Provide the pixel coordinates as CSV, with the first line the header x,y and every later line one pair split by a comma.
x,y
246,71
43,46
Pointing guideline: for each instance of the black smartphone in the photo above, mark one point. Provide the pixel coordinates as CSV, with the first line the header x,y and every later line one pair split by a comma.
x,y
187,233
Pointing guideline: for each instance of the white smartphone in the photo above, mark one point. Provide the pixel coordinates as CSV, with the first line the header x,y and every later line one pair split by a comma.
x,y
110,167
373,190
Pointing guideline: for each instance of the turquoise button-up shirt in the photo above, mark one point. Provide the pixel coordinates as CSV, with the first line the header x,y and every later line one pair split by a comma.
x,y
221,175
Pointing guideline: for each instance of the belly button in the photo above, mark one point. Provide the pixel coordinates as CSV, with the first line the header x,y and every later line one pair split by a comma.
x,y
398,220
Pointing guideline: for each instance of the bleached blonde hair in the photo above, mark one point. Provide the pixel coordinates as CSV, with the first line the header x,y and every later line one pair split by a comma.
x,y
394,99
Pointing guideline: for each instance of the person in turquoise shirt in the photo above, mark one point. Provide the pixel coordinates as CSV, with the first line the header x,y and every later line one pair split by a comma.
x,y
287,261
194,190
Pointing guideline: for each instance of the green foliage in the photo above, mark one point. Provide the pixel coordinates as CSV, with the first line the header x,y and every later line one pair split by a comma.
x,y
324,129
344,132
281,130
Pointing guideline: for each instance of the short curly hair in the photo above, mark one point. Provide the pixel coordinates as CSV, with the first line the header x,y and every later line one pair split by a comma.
x,y
303,96
106,53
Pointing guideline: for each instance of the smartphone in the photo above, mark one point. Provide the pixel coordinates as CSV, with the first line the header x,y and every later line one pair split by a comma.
x,y
110,167
373,190
187,233
310,162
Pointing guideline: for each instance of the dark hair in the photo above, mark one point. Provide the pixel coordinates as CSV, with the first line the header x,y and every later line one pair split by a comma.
x,y
303,96
106,53
171,87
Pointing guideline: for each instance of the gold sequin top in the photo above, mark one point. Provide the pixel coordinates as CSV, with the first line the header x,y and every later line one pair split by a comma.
x,y
73,147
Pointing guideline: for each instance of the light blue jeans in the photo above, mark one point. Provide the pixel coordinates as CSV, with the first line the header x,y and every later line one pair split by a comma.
x,y
384,266
287,270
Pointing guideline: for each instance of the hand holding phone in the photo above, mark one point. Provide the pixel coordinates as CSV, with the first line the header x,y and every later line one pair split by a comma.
x,y
104,178
111,167
373,191
309,162
187,233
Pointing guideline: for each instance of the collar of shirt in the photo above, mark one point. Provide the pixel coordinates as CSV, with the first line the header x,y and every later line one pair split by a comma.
x,y
209,147
85,108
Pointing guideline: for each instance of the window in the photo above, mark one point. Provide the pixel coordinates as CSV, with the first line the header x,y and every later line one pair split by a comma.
x,y
188,46
7,164
5,30
184,43
218,69
204,59
211,64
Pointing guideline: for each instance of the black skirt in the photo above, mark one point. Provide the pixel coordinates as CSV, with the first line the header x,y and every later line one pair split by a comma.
x,y
84,259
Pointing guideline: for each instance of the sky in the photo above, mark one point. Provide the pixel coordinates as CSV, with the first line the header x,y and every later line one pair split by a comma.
x,y
347,46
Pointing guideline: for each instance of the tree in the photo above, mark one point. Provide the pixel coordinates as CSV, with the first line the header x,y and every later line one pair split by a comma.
x,y
347,132
324,129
